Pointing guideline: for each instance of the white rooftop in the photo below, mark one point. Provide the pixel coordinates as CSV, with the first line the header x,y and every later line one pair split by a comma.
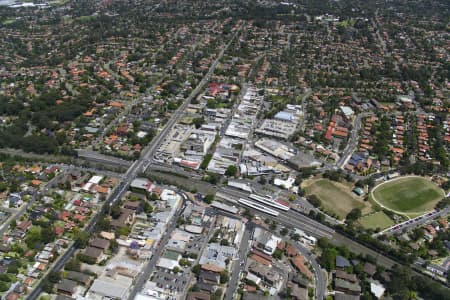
x,y
96,179
108,288
377,288
167,263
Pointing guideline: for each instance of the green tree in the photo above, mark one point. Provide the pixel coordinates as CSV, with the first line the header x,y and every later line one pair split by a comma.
x,y
47,287
13,224
86,259
328,259
104,224
5,278
314,200
73,265
125,230
114,246
54,277
217,295
273,226
231,170
3,286
196,269
13,269
198,122
211,178
34,236
206,161
247,214
115,212
277,254
81,238
262,180
323,243
224,276
3,186
146,207
353,215
184,262
209,198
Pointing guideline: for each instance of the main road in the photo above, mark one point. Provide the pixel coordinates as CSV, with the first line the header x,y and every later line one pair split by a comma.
x,y
137,167
237,264
151,264
149,152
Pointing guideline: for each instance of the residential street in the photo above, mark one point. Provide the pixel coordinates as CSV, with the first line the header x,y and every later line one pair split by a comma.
x,y
150,265
321,282
238,264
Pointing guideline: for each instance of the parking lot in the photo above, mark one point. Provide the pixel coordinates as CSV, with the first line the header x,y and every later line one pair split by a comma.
x,y
195,245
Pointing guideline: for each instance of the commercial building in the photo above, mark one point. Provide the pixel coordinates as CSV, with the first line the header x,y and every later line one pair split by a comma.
x,y
277,128
275,148
141,184
265,241
285,116
108,288
216,255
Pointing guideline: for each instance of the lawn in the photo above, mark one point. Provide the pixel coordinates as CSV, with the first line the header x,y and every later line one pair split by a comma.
x,y
87,18
9,21
376,220
408,195
335,197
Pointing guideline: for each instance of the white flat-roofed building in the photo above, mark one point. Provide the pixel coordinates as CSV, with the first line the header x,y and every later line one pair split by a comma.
x,y
170,196
265,240
254,278
239,128
277,128
96,179
150,297
275,148
216,255
193,229
294,108
286,183
285,116
347,111
151,289
87,187
166,263
108,288
181,235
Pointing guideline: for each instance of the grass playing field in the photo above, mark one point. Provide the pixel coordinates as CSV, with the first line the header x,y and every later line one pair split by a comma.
x,y
335,197
408,195
376,220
